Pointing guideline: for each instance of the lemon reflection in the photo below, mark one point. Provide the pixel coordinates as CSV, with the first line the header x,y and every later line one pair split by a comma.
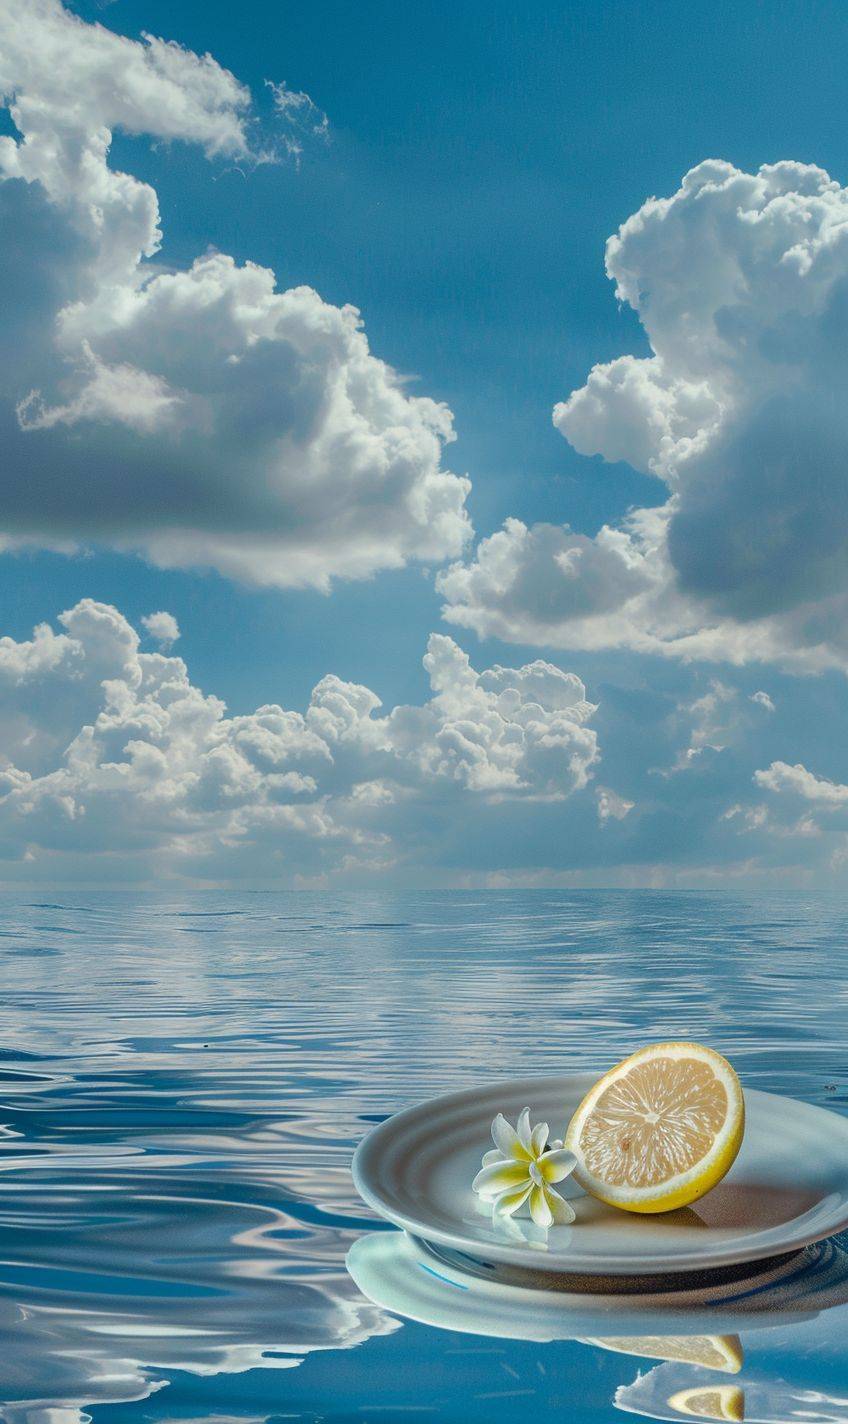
x,y
711,1352
796,1311
725,1401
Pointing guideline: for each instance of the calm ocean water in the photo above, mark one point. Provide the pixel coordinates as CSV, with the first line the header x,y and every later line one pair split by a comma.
x,y
183,1081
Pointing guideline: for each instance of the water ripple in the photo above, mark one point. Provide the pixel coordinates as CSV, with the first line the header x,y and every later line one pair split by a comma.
x,y
183,1082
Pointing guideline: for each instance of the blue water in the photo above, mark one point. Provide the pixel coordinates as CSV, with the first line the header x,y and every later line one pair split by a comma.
x,y
183,1081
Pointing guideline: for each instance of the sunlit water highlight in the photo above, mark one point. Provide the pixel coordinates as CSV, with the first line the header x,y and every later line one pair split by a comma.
x,y
183,1081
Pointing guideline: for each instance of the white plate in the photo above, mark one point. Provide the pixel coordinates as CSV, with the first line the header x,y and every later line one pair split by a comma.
x,y
787,1188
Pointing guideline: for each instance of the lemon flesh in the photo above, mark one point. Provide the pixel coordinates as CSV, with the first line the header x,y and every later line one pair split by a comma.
x,y
725,1401
712,1352
660,1129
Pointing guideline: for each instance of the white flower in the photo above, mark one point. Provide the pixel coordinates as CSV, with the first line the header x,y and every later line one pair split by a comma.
x,y
521,1170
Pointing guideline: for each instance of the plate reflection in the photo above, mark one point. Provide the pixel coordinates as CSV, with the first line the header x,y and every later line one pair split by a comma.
x,y
779,1333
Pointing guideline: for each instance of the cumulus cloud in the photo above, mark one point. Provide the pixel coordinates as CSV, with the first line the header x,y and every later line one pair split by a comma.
x,y
199,416
741,283
113,757
162,627
782,777
52,61
798,798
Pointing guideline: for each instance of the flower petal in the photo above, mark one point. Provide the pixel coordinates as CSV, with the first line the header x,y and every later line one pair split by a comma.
x,y
557,1165
509,1202
499,1177
522,1127
538,1138
563,1211
507,1140
495,1155
540,1209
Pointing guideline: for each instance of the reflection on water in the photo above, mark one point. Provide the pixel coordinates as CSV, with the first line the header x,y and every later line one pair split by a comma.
x,y
667,1392
182,1083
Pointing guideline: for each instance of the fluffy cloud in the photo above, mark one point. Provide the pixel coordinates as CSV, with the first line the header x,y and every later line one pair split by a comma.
x,y
781,777
113,758
798,798
199,416
741,284
162,627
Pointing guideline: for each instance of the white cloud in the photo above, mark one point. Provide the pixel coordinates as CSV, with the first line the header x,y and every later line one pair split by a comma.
x,y
53,64
162,627
713,723
712,717
753,818
780,777
762,699
757,818
201,416
113,758
300,114
611,806
740,282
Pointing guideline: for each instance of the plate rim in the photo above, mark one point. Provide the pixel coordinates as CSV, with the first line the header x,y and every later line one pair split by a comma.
x,y
515,1255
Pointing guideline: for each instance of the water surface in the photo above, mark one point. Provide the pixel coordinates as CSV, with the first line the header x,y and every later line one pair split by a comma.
x,y
183,1081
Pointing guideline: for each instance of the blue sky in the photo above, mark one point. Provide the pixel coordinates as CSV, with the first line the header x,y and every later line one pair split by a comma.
x,y
475,160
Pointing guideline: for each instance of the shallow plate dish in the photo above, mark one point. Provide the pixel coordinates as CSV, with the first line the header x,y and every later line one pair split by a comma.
x,y
788,1187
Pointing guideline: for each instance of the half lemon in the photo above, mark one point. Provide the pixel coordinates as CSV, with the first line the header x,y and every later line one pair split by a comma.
x,y
660,1129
